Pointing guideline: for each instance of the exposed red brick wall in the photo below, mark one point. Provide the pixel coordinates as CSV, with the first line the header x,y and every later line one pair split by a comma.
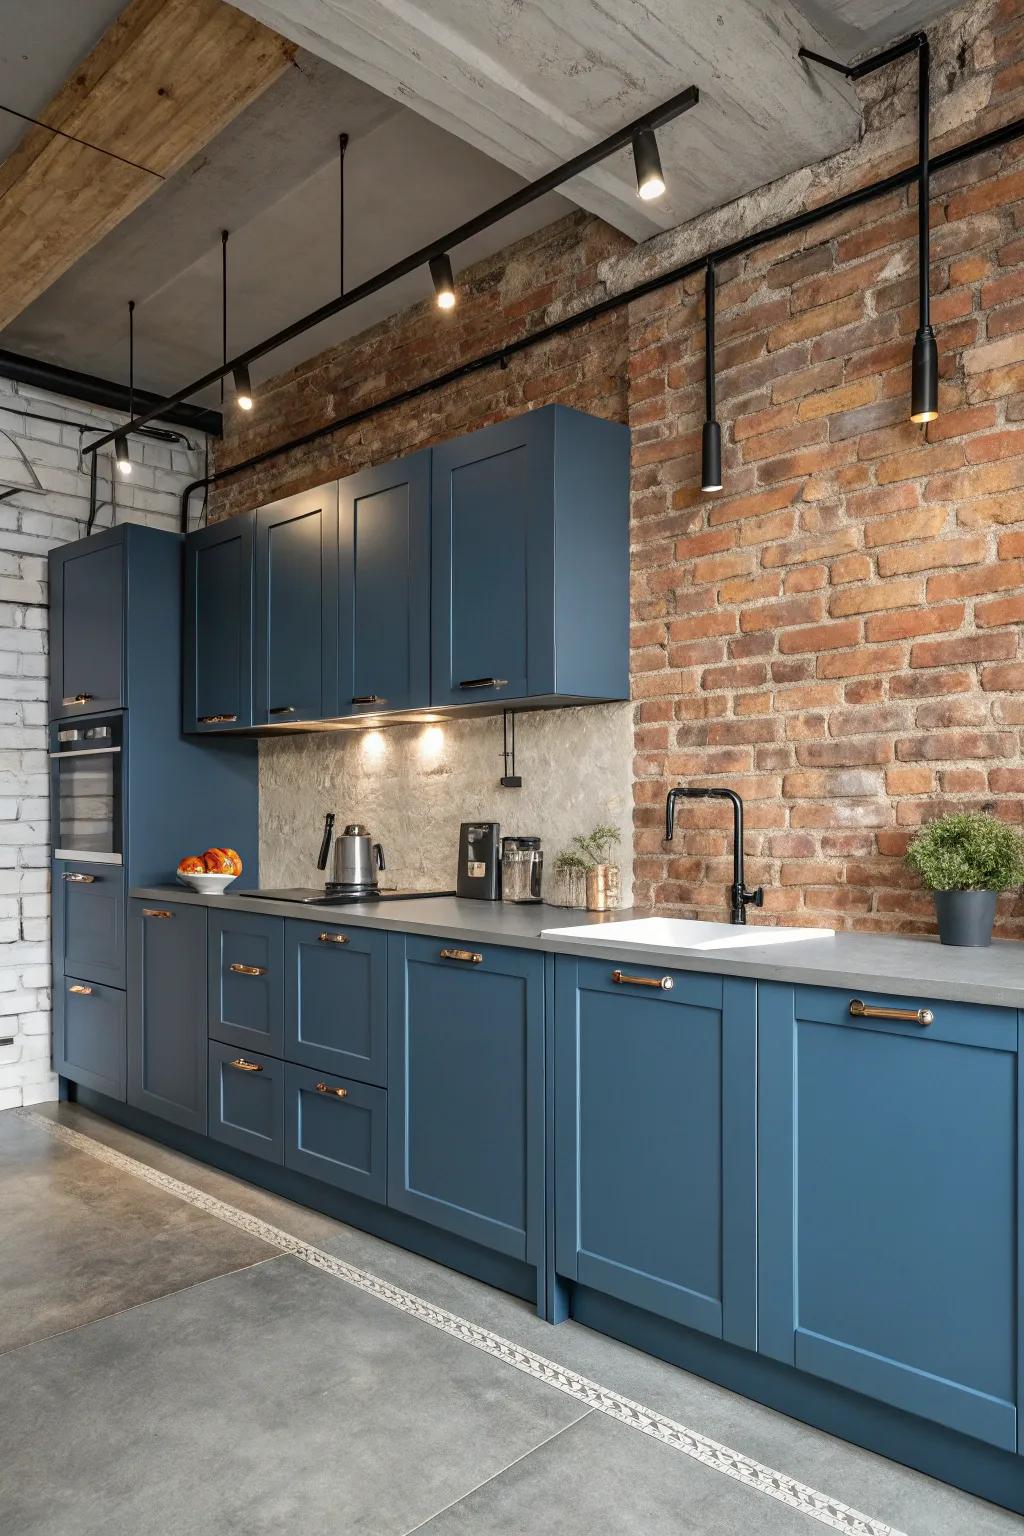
x,y
838,633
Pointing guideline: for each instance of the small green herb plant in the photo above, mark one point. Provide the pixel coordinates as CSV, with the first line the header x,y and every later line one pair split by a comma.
x,y
593,847
968,851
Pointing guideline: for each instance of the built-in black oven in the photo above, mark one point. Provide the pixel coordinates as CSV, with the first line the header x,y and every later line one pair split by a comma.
x,y
86,777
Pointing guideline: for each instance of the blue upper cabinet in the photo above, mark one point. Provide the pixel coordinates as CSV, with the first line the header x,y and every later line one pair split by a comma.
x,y
889,1202
384,645
466,1091
530,562
296,628
655,1157
87,615
219,561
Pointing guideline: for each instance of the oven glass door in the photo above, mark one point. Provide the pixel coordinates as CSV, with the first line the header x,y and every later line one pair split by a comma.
x,y
86,764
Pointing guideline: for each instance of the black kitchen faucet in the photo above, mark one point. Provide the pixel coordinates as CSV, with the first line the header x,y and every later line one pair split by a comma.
x,y
740,895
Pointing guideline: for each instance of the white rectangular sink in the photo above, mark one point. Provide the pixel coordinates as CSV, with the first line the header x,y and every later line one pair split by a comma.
x,y
683,933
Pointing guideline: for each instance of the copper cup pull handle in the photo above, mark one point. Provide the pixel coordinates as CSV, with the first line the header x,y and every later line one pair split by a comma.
x,y
862,1010
216,719
333,938
156,912
247,970
333,1093
78,879
281,709
246,1066
77,698
663,983
80,991
469,956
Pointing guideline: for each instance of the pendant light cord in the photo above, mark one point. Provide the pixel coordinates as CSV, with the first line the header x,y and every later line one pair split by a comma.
x,y
923,183
709,342
131,358
223,306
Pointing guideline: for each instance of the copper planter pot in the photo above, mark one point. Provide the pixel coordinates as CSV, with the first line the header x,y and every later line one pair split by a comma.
x,y
603,888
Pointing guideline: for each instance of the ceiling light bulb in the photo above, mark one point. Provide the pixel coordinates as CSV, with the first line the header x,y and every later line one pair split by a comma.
x,y
650,180
124,462
243,388
444,282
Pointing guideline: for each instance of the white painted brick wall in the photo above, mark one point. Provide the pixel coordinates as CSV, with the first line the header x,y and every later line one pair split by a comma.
x,y
42,461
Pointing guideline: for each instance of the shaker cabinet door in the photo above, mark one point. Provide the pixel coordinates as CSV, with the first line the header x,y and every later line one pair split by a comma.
x,y
384,651
218,625
296,661
167,1011
87,626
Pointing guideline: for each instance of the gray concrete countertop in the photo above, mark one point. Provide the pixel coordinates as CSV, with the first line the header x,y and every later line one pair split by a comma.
x,y
906,967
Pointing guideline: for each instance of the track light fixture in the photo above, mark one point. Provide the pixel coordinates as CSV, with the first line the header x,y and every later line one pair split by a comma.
x,y
124,462
711,437
444,282
650,181
243,388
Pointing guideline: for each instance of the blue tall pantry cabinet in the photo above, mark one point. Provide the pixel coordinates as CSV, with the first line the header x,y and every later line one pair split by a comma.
x,y
130,794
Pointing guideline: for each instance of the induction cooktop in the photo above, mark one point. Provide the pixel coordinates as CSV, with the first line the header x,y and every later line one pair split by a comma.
x,y
333,896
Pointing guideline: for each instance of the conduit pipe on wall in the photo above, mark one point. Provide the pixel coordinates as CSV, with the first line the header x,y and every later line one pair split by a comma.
x,y
500,356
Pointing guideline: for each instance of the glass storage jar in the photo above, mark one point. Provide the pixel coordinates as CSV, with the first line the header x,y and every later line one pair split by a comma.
x,y
522,864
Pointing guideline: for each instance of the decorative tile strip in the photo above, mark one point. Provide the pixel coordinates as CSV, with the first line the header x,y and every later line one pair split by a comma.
x,y
719,1458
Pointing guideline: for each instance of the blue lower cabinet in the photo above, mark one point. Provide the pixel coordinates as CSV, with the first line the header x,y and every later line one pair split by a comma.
x,y
89,920
246,977
336,999
655,1101
89,1035
466,1091
889,1207
247,1101
167,997
336,1131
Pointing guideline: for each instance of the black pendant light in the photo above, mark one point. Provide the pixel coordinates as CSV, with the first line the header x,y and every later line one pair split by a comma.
x,y
121,454
444,282
650,180
924,373
243,387
711,437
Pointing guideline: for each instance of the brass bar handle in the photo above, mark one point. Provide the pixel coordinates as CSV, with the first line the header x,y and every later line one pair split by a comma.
x,y
78,698
470,956
282,709
247,970
334,1093
216,719
245,1066
156,912
333,938
80,991
77,879
484,682
368,698
862,1010
663,983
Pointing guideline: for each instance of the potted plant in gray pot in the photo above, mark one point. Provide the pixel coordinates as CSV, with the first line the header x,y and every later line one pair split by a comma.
x,y
966,859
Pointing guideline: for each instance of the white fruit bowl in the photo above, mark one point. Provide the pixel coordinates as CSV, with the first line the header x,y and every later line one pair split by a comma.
x,y
208,885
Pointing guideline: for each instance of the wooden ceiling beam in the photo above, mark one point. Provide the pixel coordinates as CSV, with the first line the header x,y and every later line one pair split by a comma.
x,y
164,79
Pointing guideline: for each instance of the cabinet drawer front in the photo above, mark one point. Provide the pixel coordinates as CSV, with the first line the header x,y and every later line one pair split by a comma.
x,y
87,627
247,1101
89,1035
888,1204
247,981
336,1130
336,999
90,920
218,625
167,991
466,1084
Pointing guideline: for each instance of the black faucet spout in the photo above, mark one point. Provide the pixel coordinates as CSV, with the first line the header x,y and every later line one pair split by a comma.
x,y
740,895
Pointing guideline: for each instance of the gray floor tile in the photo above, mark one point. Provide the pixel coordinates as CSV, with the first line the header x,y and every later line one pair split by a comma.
x,y
274,1399
79,1241
600,1477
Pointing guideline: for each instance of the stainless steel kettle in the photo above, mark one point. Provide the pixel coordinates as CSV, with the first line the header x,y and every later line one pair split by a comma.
x,y
357,858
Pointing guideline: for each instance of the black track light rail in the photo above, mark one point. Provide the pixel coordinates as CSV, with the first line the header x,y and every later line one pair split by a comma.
x,y
500,356
674,107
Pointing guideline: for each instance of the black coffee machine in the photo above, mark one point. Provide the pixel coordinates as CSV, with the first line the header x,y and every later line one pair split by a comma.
x,y
479,873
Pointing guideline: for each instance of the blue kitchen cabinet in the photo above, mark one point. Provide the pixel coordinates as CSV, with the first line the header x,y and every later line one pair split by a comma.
x,y
466,1091
296,625
87,625
384,538
336,999
247,1101
889,1202
246,980
336,1131
89,1034
88,908
655,1156
217,652
167,996
530,562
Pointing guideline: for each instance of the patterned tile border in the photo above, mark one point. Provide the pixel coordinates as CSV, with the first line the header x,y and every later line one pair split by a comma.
x,y
719,1458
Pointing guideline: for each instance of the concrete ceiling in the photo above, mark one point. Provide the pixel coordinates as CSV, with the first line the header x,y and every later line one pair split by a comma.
x,y
41,41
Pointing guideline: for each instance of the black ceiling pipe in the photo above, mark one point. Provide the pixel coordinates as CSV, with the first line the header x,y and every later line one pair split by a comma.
x,y
711,435
103,392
